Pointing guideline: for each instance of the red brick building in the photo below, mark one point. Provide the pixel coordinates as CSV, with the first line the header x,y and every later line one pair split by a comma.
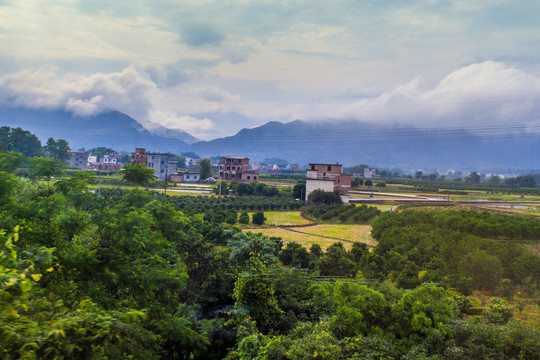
x,y
236,168
328,177
139,157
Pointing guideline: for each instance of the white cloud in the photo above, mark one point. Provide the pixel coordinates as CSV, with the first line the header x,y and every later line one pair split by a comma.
x,y
127,91
482,94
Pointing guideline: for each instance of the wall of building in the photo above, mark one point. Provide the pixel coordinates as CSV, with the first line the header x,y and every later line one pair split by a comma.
x,y
314,184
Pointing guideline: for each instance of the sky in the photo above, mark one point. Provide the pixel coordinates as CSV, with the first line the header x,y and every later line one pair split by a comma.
x,y
213,67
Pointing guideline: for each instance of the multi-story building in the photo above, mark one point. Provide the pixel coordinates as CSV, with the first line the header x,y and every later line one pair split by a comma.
x,y
328,177
159,162
139,157
236,168
77,159
371,173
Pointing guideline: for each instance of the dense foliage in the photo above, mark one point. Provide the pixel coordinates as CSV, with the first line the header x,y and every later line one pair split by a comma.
x,y
346,214
134,274
464,249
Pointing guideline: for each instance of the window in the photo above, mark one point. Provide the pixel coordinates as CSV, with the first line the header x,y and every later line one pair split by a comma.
x,y
312,167
329,168
248,177
254,178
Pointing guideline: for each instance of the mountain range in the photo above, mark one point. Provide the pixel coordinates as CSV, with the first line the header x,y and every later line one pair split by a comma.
x,y
347,142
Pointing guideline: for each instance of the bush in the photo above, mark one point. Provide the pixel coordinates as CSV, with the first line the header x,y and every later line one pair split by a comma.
x,y
244,218
324,197
258,218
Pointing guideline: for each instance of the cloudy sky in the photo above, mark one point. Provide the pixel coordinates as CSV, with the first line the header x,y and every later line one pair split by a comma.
x,y
212,67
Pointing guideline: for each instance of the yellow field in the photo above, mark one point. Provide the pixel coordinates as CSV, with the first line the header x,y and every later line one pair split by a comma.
x,y
321,234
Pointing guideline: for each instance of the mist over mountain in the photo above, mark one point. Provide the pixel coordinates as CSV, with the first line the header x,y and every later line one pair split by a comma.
x,y
346,142
352,142
112,129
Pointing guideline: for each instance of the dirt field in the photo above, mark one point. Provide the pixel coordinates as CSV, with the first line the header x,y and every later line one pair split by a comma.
x,y
324,235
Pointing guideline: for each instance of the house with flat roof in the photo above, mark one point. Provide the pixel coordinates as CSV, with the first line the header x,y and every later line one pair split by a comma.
x,y
328,177
236,168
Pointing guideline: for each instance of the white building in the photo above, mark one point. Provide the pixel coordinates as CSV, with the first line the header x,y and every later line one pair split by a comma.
x,y
191,176
159,163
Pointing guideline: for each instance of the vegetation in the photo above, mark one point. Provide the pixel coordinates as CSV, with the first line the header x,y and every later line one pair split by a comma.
x,y
346,214
135,274
324,197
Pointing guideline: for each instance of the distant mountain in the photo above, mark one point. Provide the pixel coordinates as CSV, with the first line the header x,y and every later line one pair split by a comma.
x,y
113,129
351,142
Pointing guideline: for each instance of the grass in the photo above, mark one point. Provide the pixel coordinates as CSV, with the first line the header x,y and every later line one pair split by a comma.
x,y
285,218
321,234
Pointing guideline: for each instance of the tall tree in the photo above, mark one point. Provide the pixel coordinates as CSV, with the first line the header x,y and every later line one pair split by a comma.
x,y
138,174
19,140
205,167
57,149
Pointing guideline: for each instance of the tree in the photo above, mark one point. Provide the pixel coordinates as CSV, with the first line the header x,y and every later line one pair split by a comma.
x,y
319,196
368,183
336,262
244,218
258,218
254,294
138,174
472,178
527,181
19,140
10,161
299,190
57,149
418,175
205,167
43,168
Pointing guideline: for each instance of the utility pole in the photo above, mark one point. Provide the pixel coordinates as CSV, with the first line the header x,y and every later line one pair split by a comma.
x,y
99,188
166,176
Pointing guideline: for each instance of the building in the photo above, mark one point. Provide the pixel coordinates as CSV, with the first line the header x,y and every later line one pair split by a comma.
x,y
159,162
139,157
328,177
191,176
236,168
371,173
109,159
77,159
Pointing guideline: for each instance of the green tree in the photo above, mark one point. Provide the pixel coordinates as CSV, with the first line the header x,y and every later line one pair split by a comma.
x,y
19,140
336,262
498,312
45,169
254,294
319,196
299,190
205,167
244,218
258,218
57,149
138,174
472,178
11,161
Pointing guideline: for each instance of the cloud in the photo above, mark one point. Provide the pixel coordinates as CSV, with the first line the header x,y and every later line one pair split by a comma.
x,y
481,94
127,91
200,34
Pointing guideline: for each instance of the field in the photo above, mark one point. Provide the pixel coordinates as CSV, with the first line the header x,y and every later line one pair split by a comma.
x,y
324,235
285,218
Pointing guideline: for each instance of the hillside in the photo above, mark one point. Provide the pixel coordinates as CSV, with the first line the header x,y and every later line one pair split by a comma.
x,y
351,142
113,129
